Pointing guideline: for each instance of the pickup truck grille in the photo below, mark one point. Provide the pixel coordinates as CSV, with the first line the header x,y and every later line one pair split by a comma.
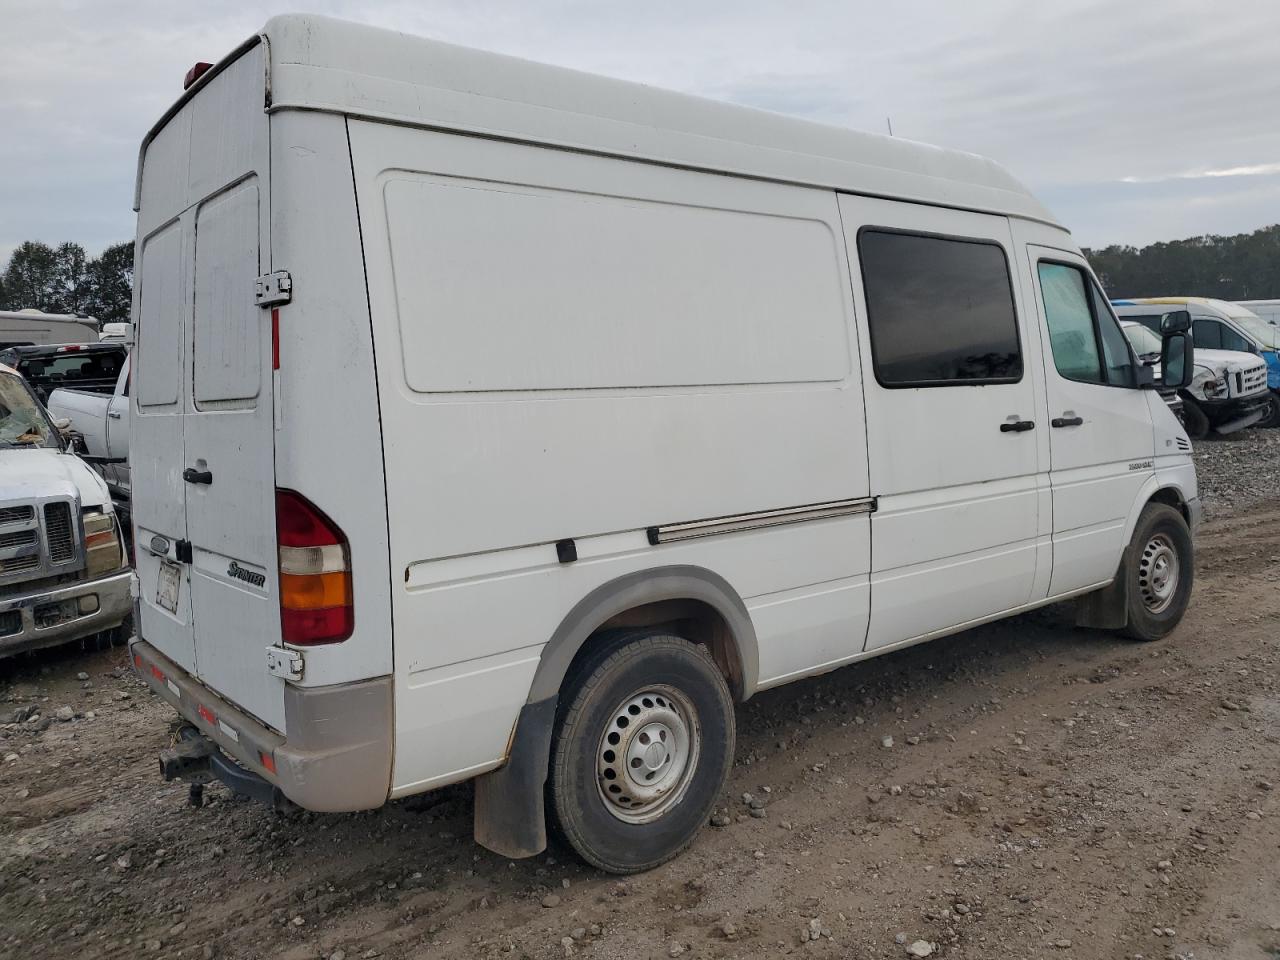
x,y
58,532
16,514
39,540
1252,381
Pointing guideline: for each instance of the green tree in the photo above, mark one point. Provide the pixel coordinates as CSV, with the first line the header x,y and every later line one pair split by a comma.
x,y
109,283
1241,267
31,278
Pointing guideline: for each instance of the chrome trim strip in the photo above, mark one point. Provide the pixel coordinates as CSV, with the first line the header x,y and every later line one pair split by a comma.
x,y
692,529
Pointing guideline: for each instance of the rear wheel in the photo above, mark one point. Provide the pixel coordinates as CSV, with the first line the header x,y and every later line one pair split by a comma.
x,y
644,742
1160,567
1194,419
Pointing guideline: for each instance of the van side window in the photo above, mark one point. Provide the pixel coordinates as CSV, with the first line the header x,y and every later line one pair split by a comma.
x,y
1115,345
1212,335
1207,334
1071,334
939,310
1085,337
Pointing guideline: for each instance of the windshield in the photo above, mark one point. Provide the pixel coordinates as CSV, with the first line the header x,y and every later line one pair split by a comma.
x,y
1265,333
1141,339
22,422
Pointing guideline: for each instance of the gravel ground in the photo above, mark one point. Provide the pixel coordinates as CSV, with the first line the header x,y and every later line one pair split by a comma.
x,y
1046,792
1239,471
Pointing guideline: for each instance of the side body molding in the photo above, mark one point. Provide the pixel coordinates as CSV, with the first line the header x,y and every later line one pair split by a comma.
x,y
510,815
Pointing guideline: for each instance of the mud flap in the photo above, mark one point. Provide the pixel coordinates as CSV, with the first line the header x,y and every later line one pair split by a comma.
x,y
1108,608
510,812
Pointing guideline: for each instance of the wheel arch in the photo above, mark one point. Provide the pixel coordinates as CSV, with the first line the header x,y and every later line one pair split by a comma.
x,y
510,816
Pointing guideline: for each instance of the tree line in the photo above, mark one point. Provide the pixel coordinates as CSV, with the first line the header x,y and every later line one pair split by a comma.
x,y
1241,267
62,279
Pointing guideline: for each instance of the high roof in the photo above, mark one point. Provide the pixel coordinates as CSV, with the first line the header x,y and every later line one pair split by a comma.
x,y
318,63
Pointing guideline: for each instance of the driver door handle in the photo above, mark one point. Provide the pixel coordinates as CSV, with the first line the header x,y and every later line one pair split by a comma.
x,y
114,414
1067,421
1017,426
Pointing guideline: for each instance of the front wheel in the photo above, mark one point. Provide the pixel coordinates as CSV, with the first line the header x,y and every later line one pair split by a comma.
x,y
1272,419
1160,566
1194,419
643,745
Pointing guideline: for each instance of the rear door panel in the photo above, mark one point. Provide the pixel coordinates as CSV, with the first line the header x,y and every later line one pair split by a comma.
x,y
203,390
228,434
159,500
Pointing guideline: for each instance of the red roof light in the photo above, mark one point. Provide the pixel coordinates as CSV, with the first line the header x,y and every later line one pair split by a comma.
x,y
194,74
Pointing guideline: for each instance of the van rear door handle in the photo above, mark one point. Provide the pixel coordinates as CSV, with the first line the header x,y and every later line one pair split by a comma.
x,y
192,475
1067,421
1017,426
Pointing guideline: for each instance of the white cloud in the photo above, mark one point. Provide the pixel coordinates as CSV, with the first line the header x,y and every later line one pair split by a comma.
x,y
1073,97
1255,170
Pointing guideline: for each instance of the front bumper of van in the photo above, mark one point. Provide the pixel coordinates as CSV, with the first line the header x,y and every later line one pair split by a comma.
x,y
337,756
42,618
1237,413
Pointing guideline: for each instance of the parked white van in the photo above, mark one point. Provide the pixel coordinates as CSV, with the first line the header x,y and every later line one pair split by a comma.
x,y
492,420
1218,327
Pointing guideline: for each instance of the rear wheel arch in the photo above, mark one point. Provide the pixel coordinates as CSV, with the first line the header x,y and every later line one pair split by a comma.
x,y
696,603
705,607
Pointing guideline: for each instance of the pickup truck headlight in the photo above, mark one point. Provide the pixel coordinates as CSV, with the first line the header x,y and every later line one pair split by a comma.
x,y
101,544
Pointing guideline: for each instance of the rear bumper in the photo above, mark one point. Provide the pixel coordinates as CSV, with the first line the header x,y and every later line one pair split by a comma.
x,y
337,757
46,617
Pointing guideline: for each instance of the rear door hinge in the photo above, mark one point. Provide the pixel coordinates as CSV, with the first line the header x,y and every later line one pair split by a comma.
x,y
182,551
273,289
283,663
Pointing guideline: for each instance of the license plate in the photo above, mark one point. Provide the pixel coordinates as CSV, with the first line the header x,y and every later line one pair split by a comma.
x,y
170,580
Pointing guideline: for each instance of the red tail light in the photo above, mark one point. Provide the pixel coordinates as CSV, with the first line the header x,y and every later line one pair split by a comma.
x,y
315,574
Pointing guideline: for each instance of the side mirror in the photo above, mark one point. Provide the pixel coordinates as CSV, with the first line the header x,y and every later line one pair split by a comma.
x,y
1177,359
1176,321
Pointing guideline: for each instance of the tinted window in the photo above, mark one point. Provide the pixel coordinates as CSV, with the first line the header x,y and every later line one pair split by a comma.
x,y
1233,341
1071,334
940,311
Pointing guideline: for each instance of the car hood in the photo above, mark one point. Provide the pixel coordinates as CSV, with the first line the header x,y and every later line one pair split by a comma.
x,y
39,472
1233,360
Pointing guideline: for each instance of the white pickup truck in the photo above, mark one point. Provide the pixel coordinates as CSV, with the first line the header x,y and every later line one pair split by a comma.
x,y
102,420
63,571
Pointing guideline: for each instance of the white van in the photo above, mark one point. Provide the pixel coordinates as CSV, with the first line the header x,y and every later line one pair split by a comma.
x,y
30,327
1268,310
1219,326
492,420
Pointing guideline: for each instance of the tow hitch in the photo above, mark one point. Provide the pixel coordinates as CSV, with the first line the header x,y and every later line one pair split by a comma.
x,y
197,760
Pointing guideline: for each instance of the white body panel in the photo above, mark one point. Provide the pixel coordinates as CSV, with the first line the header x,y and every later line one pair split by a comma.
x,y
649,312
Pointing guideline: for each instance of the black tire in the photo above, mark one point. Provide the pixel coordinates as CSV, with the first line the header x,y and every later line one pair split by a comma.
x,y
1272,419
1155,605
671,685
1194,419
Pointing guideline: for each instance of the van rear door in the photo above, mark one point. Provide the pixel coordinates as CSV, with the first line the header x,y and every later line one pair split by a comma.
x,y
203,441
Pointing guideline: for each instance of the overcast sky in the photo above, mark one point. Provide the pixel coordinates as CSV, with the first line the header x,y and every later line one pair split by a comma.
x,y
1133,120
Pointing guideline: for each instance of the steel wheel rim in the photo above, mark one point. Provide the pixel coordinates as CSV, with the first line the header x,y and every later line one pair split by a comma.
x,y
647,754
1158,573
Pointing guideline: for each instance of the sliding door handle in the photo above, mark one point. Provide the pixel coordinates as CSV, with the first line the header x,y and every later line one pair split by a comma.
x,y
1067,421
1017,426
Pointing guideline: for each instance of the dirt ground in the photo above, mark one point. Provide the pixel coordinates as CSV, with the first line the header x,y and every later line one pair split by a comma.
x,y
1049,792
